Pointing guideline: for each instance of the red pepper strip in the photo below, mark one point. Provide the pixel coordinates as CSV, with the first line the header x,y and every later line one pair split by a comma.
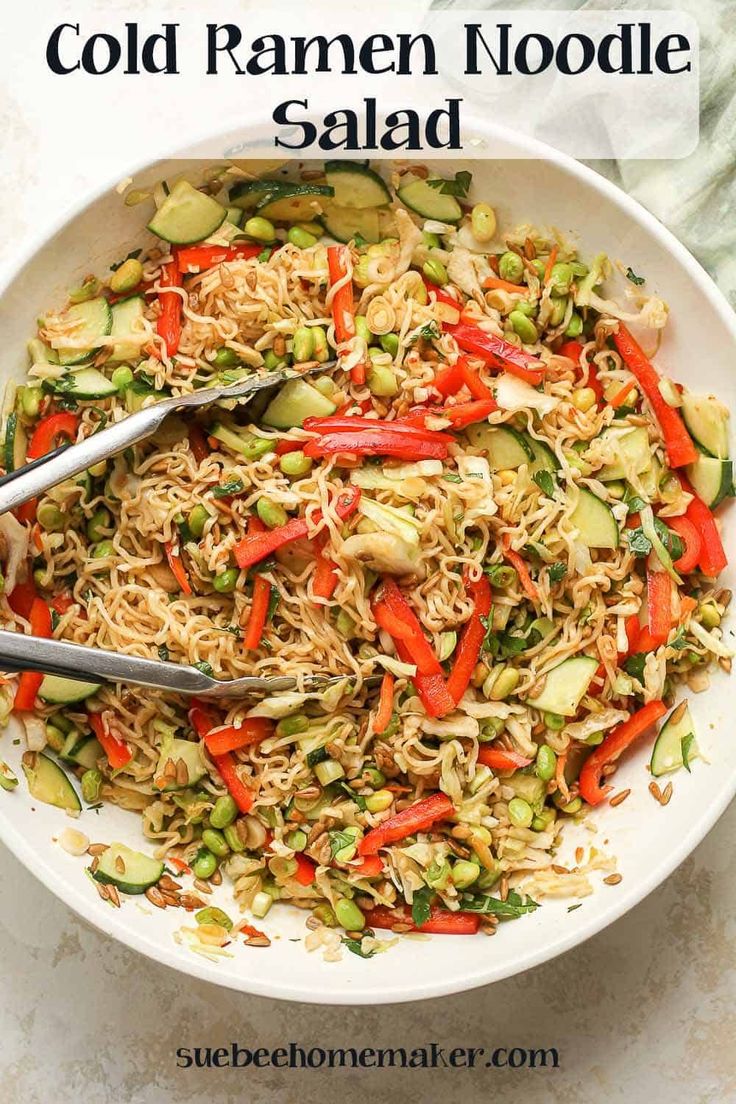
x,y
30,681
527,584
689,535
305,869
198,443
471,640
633,631
206,256
253,730
168,325
677,441
465,414
369,867
201,719
380,442
441,921
118,754
343,312
258,612
179,864
659,605
443,296
288,446
26,512
48,431
646,642
394,626
571,350
449,379
431,689
473,382
241,795
325,578
390,597
499,759
61,603
712,559
614,744
361,407
22,597
177,567
353,423
416,818
256,546
493,349
385,709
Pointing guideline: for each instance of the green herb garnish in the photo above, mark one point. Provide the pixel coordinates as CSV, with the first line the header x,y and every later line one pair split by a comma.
x,y
460,186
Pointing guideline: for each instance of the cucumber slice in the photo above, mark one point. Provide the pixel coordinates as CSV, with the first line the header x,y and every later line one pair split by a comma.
x,y
127,316
296,401
93,320
346,223
64,691
131,871
247,193
87,752
356,185
15,444
187,216
707,421
234,215
712,479
506,447
138,392
673,736
565,686
48,783
178,751
634,453
87,383
429,202
594,521
238,442
297,203
544,458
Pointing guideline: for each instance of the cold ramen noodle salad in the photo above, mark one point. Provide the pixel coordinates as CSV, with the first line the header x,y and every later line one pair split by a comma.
x,y
492,518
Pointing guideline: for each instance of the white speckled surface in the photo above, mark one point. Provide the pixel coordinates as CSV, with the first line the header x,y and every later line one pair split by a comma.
x,y
644,1011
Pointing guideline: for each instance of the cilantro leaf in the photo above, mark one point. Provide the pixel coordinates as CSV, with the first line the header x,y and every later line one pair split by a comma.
x,y
273,603
420,906
460,186
340,841
513,907
163,654
356,946
132,256
452,477
356,797
233,486
205,668
545,482
638,542
634,666
557,571
679,641
686,744
631,275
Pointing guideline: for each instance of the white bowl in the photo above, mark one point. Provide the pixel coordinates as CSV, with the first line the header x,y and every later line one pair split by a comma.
x,y
648,840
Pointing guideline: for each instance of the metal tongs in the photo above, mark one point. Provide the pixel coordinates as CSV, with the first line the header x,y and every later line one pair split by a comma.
x,y
33,479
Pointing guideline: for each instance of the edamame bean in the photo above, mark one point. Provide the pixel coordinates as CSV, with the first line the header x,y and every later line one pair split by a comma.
x,y
204,865
300,237
292,726
198,517
215,842
214,915
226,358
561,278
528,308
574,326
546,763
260,229
232,838
30,401
224,812
521,813
502,683
122,377
312,228
50,517
296,840
554,721
524,327
101,519
464,873
435,272
710,618
226,581
320,350
578,269
362,328
127,276
325,915
295,464
511,267
271,513
559,306
271,361
572,807
431,240
91,786
374,777
348,914
302,346
483,222
379,801
390,343
381,380
103,550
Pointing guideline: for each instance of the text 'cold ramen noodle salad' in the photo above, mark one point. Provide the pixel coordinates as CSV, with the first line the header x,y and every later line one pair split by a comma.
x,y
491,521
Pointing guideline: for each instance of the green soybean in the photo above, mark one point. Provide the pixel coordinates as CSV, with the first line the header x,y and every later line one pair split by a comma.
x,y
102,550
122,377
292,726
226,358
224,812
382,381
390,343
483,222
232,838
546,763
524,327
511,267
50,517
362,328
215,842
30,401
300,237
521,813
296,840
271,361
555,721
431,240
197,520
271,513
295,463
100,520
320,350
574,326
559,306
226,581
204,865
561,278
348,914
435,272
464,873
302,346
91,786
127,276
260,229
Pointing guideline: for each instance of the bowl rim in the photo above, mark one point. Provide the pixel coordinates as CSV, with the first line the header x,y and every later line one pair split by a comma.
x,y
526,148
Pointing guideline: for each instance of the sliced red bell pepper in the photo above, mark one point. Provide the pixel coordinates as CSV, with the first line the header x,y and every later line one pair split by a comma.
x,y
343,312
168,324
497,352
371,442
712,559
571,350
416,818
472,637
443,296
441,921
241,795
61,603
258,612
527,583
22,597
385,709
30,681
500,759
659,605
252,730
256,546
614,744
305,869
369,867
633,631
46,435
431,689
118,754
389,597
689,535
26,512
465,414
677,441
202,719
325,577
177,568
207,256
